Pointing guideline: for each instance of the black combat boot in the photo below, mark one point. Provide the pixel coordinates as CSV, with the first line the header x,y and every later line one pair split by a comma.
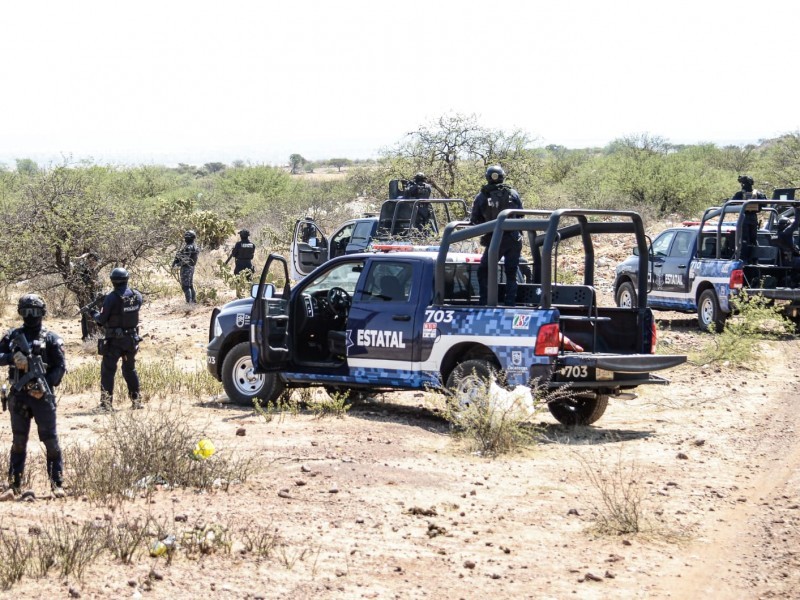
x,y
15,483
136,401
106,402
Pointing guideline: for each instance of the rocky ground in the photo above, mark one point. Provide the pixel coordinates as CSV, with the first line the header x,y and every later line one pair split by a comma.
x,y
386,503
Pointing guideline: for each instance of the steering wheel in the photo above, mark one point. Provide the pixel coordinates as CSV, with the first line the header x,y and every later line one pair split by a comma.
x,y
339,299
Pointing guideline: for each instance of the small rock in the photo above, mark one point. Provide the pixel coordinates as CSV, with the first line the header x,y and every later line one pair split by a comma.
x,y
284,493
573,511
592,577
609,575
334,490
340,573
469,564
627,543
682,456
74,593
181,518
156,575
699,442
241,431
495,576
131,583
305,468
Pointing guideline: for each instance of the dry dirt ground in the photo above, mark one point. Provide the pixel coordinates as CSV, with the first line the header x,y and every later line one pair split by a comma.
x,y
385,503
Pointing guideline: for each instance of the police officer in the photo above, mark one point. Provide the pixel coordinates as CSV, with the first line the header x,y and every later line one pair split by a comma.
x,y
750,218
32,401
120,318
243,252
790,252
186,259
85,269
493,198
420,188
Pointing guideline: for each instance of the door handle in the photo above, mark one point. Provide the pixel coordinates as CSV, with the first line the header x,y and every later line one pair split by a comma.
x,y
401,317
681,266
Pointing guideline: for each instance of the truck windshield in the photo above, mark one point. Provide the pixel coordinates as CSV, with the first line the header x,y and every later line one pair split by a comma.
x,y
344,276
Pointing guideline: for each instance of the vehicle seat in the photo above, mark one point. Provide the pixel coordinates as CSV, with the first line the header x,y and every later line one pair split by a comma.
x,y
709,248
337,343
391,289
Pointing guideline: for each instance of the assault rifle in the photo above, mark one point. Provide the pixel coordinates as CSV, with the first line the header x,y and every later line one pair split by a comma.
x,y
35,376
87,310
4,397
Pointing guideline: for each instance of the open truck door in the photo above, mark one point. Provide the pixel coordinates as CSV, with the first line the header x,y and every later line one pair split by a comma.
x,y
309,248
270,344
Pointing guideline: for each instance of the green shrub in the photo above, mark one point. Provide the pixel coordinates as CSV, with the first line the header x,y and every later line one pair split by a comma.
x,y
754,318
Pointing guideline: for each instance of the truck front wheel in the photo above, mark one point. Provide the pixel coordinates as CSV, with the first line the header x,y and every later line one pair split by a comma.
x,y
709,315
241,384
579,410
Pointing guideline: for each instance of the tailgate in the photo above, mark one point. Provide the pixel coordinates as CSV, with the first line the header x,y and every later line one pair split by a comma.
x,y
591,370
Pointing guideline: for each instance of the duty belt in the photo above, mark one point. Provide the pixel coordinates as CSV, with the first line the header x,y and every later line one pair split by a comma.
x,y
117,332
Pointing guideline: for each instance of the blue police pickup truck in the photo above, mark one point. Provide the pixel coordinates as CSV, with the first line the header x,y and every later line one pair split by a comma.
x,y
699,266
375,322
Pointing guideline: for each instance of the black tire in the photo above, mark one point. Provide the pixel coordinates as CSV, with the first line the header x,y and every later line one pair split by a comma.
x,y
241,385
579,410
467,382
626,295
709,315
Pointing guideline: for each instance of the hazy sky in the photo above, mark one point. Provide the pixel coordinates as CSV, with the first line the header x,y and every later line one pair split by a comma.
x,y
197,81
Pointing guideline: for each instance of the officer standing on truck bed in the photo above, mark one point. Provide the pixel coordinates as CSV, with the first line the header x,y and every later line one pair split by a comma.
x,y
243,252
120,318
493,198
421,189
750,220
33,400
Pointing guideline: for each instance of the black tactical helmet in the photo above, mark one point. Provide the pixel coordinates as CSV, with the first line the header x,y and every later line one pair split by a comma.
x,y
31,305
190,236
119,276
495,174
244,234
784,222
420,178
746,181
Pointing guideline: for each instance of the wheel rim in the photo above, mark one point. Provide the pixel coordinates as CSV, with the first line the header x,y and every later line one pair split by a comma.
x,y
707,311
470,388
245,380
625,299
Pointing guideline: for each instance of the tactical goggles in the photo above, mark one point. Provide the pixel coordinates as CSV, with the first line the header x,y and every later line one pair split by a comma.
x,y
31,311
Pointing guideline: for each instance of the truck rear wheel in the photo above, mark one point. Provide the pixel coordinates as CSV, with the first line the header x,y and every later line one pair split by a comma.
x,y
468,382
579,410
709,315
241,384
626,295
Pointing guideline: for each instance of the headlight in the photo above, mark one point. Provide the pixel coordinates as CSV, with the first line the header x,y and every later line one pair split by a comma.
x,y
217,328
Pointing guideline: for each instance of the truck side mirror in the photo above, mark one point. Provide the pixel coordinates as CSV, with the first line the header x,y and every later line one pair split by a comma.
x,y
635,250
269,291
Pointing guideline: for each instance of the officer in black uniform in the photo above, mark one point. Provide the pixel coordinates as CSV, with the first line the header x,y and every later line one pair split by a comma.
x,y
186,259
31,401
120,318
493,198
784,240
420,188
750,219
243,252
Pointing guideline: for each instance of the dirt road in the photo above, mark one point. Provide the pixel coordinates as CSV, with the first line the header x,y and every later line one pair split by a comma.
x,y
384,503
